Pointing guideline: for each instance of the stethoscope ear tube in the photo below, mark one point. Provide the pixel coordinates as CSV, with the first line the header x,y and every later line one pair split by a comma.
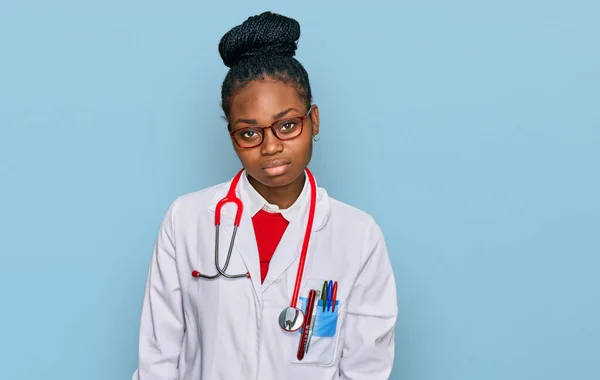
x,y
229,198
221,271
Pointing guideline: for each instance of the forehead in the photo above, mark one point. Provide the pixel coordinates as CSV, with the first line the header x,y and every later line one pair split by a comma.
x,y
262,99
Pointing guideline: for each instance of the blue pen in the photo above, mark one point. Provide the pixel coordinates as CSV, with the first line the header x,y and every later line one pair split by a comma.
x,y
329,294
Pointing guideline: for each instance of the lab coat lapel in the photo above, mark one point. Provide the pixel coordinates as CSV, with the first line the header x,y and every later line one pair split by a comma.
x,y
287,254
288,249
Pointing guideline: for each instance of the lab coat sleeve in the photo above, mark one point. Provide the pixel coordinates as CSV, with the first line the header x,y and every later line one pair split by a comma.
x,y
372,310
162,323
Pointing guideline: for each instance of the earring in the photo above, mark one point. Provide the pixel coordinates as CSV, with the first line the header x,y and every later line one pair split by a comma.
x,y
316,138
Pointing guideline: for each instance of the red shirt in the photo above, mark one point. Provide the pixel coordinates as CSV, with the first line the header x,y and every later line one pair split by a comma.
x,y
268,228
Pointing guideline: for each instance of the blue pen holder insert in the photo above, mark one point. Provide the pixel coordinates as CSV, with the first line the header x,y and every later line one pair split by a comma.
x,y
326,321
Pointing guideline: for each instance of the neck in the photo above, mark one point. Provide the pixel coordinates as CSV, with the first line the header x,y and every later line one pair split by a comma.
x,y
282,196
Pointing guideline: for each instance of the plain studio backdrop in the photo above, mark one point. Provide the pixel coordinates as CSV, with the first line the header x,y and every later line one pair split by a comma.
x,y
469,129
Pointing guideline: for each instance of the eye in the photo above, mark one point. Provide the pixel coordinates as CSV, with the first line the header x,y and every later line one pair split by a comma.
x,y
287,126
248,134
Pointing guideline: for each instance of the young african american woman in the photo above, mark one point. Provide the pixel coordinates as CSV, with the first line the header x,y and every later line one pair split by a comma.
x,y
306,290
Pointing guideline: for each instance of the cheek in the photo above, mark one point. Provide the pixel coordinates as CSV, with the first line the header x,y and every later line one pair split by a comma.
x,y
243,154
302,147
246,155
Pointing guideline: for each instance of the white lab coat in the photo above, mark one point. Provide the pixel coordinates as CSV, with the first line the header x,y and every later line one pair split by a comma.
x,y
193,328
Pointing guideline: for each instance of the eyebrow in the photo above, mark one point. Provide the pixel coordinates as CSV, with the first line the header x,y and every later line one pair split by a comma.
x,y
283,113
275,117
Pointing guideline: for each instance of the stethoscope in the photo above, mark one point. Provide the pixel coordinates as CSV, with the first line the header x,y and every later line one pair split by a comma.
x,y
291,318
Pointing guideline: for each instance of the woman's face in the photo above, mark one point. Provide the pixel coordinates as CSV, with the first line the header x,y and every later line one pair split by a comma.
x,y
273,163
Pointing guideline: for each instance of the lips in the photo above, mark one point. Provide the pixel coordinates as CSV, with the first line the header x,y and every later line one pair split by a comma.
x,y
275,168
274,163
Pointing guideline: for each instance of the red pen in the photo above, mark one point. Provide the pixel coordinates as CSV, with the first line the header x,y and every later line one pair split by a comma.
x,y
304,336
333,296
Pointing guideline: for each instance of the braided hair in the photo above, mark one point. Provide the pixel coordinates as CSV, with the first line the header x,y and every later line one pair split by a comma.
x,y
262,47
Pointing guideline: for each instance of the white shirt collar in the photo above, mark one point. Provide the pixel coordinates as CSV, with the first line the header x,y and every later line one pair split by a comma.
x,y
254,202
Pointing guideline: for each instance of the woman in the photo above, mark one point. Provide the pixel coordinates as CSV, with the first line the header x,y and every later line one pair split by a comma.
x,y
295,247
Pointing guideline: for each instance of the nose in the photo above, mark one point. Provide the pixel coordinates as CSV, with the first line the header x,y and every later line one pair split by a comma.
x,y
271,144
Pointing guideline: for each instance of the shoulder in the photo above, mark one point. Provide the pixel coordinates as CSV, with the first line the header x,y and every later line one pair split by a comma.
x,y
360,229
353,219
191,203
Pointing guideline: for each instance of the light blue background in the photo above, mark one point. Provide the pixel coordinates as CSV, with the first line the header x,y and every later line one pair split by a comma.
x,y
469,129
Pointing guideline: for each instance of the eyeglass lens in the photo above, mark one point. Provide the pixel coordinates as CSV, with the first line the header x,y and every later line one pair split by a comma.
x,y
283,130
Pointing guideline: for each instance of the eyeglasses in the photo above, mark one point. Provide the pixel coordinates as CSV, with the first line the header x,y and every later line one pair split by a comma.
x,y
286,129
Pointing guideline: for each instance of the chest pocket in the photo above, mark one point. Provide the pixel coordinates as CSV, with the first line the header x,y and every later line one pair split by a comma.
x,y
323,346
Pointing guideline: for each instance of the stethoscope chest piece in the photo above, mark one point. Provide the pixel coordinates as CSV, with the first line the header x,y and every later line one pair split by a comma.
x,y
291,319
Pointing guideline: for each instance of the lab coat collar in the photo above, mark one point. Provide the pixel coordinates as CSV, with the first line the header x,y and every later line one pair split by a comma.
x,y
254,202
301,205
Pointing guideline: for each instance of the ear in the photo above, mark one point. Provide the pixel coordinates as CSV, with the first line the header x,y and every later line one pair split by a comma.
x,y
315,120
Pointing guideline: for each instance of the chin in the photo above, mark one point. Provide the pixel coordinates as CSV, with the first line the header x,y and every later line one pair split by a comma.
x,y
279,180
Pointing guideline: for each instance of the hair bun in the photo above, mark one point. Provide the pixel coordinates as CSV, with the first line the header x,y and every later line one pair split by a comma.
x,y
267,34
